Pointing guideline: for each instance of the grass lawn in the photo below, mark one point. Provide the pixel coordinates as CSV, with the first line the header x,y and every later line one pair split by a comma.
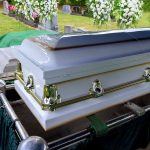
x,y
8,24
87,23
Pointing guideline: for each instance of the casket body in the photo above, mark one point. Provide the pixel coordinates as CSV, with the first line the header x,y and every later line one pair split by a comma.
x,y
74,62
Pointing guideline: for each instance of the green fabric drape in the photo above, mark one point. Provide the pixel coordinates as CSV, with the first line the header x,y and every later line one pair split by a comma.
x,y
9,82
8,137
129,136
16,38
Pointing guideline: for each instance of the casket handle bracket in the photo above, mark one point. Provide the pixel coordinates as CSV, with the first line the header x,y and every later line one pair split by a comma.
x,y
147,74
19,71
51,97
30,83
97,89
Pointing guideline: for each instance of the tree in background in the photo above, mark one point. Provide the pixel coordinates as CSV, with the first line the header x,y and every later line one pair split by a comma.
x,y
72,2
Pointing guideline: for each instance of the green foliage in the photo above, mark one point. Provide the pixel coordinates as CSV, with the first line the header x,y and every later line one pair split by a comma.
x,y
8,24
72,2
146,6
9,1
77,2
61,2
116,4
83,3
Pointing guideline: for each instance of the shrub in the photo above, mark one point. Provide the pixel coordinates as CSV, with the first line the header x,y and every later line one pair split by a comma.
x,y
72,2
9,1
77,2
61,2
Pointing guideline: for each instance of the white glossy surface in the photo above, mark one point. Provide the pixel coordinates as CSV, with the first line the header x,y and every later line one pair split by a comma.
x,y
74,70
6,54
49,60
110,73
49,120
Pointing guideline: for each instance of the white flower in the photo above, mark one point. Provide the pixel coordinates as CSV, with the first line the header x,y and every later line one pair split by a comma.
x,y
44,8
131,12
101,10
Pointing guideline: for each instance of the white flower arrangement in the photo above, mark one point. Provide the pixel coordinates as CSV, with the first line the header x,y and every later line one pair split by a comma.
x,y
24,7
19,6
35,4
130,12
43,8
101,10
48,8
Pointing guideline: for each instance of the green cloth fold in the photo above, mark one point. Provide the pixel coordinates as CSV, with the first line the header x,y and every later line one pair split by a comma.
x,y
16,38
8,137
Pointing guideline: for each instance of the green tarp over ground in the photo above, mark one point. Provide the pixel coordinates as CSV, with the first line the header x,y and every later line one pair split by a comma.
x,y
16,38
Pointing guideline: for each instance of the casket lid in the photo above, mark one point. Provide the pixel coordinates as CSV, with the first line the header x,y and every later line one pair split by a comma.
x,y
67,64
65,41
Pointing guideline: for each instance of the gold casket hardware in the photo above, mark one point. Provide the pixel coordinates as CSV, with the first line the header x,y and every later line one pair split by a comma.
x,y
147,74
19,70
51,96
19,67
30,83
52,100
97,89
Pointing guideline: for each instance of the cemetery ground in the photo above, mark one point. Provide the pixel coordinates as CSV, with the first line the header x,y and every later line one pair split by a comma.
x,y
9,24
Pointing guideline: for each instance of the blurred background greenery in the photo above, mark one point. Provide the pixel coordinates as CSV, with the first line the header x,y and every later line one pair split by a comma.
x,y
8,24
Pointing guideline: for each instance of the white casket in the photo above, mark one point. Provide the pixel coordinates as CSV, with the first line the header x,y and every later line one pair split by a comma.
x,y
65,77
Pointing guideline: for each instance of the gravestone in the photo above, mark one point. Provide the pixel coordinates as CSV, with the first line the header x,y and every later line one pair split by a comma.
x,y
5,7
66,9
46,23
71,29
52,24
68,29
76,10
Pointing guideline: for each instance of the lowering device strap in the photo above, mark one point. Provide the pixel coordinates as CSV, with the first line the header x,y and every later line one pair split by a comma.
x,y
99,127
